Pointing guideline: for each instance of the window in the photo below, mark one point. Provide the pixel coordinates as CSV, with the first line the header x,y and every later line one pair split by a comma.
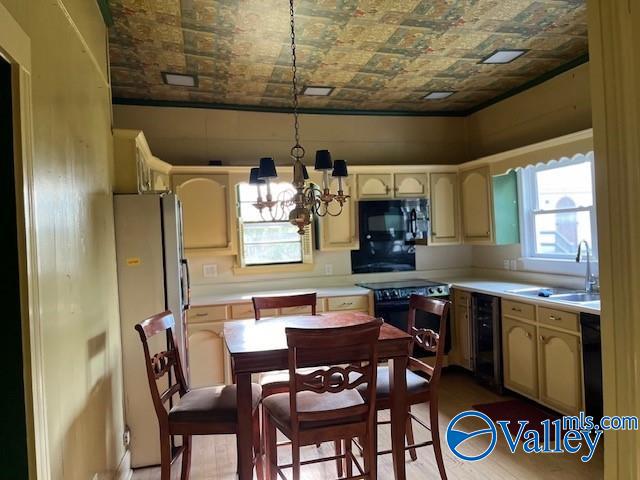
x,y
263,241
558,208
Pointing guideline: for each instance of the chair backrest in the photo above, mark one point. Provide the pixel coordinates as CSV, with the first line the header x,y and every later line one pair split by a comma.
x,y
161,364
355,346
427,338
306,299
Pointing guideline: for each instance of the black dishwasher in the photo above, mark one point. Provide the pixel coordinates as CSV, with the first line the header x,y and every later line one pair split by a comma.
x,y
592,364
486,335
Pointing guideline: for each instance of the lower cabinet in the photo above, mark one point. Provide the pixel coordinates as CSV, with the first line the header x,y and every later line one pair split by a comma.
x,y
208,358
520,353
560,370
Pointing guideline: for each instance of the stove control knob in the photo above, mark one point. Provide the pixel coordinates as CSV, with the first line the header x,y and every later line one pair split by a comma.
x,y
439,289
431,291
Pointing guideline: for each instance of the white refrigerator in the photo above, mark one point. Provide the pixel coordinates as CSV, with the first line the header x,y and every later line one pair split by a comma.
x,y
153,276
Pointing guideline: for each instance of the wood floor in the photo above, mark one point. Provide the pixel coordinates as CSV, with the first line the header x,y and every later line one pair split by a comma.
x,y
215,457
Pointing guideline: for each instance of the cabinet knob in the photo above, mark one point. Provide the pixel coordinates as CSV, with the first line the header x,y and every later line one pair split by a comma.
x,y
553,317
543,339
529,335
515,309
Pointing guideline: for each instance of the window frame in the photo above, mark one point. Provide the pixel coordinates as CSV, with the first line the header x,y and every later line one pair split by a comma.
x,y
528,188
306,256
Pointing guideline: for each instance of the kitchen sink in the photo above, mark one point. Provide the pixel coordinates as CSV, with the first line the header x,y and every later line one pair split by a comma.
x,y
544,292
578,297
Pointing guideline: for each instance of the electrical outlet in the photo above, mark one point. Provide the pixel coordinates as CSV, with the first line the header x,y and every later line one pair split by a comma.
x,y
328,269
505,264
126,437
210,270
514,264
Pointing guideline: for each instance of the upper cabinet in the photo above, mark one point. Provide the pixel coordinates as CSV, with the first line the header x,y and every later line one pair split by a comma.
x,y
136,170
489,207
375,185
207,215
372,186
340,232
476,205
444,208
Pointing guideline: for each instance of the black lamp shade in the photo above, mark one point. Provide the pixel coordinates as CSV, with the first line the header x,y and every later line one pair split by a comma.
x,y
323,160
340,169
254,176
267,168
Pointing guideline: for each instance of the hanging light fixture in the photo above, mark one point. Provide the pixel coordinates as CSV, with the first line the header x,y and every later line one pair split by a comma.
x,y
299,206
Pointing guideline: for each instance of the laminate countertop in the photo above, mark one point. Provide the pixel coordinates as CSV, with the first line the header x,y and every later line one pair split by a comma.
x,y
244,297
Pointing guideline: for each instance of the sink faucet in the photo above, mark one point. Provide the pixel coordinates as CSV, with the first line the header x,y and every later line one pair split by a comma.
x,y
590,280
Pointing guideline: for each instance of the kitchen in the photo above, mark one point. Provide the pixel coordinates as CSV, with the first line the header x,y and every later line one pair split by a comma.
x,y
436,166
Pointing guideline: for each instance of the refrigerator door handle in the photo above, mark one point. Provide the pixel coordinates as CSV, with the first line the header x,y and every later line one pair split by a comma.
x,y
187,288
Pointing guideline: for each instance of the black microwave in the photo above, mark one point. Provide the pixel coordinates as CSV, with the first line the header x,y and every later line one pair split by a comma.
x,y
389,230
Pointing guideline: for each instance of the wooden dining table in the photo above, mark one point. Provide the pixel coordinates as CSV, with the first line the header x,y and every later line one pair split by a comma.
x,y
261,346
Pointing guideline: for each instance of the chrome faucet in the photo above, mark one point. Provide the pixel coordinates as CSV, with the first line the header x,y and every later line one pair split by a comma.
x,y
590,280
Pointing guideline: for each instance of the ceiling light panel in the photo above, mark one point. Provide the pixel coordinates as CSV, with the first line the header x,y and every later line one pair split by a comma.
x,y
180,79
441,95
317,91
503,56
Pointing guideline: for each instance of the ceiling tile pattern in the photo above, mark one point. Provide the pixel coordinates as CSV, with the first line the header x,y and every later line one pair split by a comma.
x,y
380,55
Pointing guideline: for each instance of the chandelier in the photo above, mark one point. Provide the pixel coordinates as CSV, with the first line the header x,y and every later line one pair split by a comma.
x,y
298,206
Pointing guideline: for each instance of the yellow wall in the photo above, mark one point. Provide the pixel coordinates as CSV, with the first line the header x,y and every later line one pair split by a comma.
x,y
556,107
194,136
75,237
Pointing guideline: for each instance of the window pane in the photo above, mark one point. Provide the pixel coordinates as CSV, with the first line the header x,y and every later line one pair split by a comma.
x,y
566,186
248,195
270,232
558,234
257,254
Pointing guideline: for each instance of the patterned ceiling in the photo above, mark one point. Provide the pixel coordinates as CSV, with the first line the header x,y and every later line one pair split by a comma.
x,y
380,55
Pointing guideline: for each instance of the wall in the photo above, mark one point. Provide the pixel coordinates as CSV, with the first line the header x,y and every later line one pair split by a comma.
x,y
556,107
191,136
74,235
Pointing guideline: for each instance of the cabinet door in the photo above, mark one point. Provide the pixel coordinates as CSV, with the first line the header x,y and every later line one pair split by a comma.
x,y
373,185
207,218
208,359
444,208
410,185
519,351
476,205
462,336
560,370
340,232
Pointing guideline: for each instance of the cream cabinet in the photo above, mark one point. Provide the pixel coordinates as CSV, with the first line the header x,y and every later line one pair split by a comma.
x,y
560,370
208,358
375,185
410,185
209,222
444,208
520,353
340,232
475,192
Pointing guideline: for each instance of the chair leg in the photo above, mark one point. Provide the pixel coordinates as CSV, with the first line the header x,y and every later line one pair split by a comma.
x,y
186,457
271,447
257,446
410,439
435,433
347,456
165,456
370,452
295,459
338,451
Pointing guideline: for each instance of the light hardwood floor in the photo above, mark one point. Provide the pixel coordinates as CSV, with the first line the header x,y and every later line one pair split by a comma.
x,y
214,458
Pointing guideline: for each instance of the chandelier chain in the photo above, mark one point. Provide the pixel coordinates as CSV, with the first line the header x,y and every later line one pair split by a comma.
x,y
294,81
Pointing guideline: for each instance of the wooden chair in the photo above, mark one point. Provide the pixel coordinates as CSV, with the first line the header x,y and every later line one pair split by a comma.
x,y
422,379
285,301
200,411
325,405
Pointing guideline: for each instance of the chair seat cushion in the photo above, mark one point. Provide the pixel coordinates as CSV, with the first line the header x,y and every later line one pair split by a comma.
x,y
211,404
415,383
278,406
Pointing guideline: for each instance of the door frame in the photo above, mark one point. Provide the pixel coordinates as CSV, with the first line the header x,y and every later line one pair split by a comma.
x,y
15,47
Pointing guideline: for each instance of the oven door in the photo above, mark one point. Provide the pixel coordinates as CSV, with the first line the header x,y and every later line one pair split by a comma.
x,y
396,313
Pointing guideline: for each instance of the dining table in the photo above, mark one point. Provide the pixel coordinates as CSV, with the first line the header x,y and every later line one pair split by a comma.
x,y
257,346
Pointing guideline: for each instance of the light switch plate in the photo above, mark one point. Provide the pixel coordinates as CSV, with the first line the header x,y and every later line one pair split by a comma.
x,y
328,269
210,270
505,264
514,264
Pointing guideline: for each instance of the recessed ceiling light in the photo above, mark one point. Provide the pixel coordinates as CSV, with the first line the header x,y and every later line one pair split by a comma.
x,y
503,56
180,79
438,95
317,91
